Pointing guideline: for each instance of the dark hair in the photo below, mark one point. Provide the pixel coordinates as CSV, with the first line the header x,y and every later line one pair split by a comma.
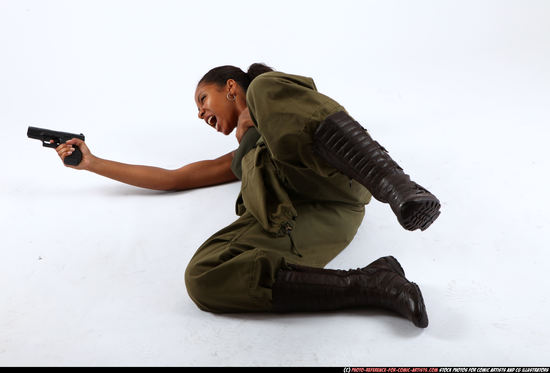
x,y
221,74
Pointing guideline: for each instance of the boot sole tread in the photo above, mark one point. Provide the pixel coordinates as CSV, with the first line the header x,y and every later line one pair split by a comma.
x,y
419,213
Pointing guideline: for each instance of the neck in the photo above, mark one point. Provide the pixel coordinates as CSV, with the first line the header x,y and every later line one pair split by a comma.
x,y
240,105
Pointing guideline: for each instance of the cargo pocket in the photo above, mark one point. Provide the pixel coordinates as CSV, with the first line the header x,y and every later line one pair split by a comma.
x,y
264,195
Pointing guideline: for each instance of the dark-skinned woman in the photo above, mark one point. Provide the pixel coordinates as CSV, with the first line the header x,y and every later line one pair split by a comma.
x,y
308,170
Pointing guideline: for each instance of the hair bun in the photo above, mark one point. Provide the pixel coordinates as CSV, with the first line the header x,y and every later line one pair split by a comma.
x,y
257,69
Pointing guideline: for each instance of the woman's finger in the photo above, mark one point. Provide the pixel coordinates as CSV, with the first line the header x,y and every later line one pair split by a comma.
x,y
64,150
74,141
61,148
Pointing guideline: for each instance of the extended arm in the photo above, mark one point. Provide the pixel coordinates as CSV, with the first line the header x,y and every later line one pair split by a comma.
x,y
194,175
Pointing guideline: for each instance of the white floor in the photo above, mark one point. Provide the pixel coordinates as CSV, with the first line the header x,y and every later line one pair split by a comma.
x,y
91,271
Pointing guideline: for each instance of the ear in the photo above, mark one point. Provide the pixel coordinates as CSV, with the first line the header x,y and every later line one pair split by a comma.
x,y
231,86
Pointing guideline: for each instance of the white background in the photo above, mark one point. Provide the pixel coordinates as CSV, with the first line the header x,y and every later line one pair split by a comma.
x,y
91,271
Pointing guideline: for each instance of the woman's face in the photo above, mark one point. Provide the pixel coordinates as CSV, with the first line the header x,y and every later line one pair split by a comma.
x,y
218,105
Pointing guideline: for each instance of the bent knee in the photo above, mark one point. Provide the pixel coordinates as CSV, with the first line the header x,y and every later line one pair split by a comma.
x,y
198,289
218,290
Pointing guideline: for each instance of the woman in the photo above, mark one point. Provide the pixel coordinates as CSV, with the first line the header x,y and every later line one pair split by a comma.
x,y
299,157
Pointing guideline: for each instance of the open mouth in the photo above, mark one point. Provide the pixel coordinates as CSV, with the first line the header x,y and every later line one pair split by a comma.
x,y
212,121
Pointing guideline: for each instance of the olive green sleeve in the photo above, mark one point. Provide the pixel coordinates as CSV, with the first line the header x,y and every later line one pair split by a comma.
x,y
248,142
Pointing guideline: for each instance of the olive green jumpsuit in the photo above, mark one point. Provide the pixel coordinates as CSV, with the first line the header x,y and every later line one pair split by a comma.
x,y
293,207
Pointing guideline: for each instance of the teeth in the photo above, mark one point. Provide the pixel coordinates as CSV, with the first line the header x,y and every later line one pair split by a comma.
x,y
210,120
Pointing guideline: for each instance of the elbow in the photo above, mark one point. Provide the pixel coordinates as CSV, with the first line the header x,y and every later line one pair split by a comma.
x,y
169,182
171,187
176,181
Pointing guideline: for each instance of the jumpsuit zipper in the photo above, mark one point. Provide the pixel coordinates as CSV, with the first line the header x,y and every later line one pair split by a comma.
x,y
293,249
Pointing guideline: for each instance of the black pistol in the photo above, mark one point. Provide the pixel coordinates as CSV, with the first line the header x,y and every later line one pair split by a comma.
x,y
58,138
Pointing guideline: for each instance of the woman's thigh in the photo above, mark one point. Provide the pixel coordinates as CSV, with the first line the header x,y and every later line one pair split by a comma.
x,y
233,271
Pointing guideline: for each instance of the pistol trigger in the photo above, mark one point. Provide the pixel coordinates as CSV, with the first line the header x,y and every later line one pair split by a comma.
x,y
47,143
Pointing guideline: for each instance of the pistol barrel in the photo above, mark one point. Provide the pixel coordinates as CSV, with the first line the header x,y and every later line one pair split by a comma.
x,y
34,132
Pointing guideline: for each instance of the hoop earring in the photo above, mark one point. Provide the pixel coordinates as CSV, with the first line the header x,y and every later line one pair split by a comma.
x,y
231,97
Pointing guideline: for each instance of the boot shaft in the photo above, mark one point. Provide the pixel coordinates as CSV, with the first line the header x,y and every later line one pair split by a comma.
x,y
346,145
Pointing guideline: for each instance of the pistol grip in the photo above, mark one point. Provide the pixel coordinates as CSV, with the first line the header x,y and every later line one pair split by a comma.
x,y
75,158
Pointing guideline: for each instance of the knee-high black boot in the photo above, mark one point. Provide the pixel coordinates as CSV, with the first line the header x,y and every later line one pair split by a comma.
x,y
347,146
380,284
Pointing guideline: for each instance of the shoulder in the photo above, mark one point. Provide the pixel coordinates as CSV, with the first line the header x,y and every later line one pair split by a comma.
x,y
274,80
